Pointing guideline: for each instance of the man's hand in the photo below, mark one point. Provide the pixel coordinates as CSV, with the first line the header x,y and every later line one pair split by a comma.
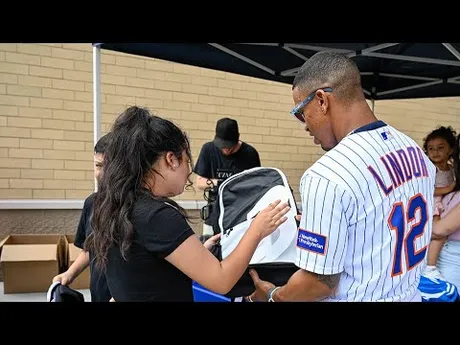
x,y
262,288
203,182
211,242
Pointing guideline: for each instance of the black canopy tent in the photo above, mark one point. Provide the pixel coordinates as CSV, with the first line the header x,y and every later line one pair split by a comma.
x,y
389,70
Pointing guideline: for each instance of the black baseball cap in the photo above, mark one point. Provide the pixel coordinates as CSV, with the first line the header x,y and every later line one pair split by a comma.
x,y
227,134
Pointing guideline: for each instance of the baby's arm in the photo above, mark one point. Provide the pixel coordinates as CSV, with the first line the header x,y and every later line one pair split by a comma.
x,y
441,191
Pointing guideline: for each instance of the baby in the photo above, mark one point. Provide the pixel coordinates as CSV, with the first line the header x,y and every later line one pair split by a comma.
x,y
439,146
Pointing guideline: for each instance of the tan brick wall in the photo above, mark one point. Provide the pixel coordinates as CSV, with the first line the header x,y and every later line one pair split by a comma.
x,y
53,222
46,114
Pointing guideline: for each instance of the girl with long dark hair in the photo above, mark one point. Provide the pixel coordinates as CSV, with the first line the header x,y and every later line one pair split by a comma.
x,y
141,237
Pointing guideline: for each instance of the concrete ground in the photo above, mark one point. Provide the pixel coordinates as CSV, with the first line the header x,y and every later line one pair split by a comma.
x,y
32,297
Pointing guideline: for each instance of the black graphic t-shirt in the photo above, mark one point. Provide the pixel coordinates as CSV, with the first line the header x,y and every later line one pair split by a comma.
x,y
213,164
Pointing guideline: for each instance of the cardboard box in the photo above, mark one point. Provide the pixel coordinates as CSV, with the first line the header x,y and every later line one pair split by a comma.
x,y
72,252
29,262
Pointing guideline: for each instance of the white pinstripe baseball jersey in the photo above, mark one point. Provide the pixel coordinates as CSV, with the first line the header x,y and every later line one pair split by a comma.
x,y
367,214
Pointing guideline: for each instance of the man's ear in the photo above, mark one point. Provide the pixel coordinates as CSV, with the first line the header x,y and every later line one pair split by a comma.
x,y
323,100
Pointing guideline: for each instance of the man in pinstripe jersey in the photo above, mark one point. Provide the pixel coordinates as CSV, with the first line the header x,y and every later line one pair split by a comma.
x,y
366,203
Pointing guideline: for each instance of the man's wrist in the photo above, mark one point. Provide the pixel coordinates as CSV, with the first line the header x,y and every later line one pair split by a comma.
x,y
271,293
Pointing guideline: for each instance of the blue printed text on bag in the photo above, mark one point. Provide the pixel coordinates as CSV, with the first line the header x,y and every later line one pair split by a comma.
x,y
310,241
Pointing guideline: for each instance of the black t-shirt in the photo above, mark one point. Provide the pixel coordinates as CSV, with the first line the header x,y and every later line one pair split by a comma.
x,y
159,229
213,164
98,284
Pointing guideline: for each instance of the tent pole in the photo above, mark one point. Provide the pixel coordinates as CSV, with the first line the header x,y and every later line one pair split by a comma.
x,y
96,96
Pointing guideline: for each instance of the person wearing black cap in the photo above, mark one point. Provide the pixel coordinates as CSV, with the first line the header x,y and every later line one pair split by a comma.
x,y
221,158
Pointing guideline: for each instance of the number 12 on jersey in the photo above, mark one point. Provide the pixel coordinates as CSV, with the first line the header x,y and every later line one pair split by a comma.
x,y
400,217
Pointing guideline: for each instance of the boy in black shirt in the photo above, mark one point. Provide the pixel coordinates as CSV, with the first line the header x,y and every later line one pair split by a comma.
x,y
221,158
98,284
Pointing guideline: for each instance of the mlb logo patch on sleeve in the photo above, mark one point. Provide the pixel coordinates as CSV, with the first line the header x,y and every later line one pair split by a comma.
x,y
310,241
386,135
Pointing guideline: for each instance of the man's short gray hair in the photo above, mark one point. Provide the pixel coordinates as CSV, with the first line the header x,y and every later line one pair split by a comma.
x,y
330,69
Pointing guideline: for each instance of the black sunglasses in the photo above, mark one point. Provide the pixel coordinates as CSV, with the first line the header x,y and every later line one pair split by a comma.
x,y
298,110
